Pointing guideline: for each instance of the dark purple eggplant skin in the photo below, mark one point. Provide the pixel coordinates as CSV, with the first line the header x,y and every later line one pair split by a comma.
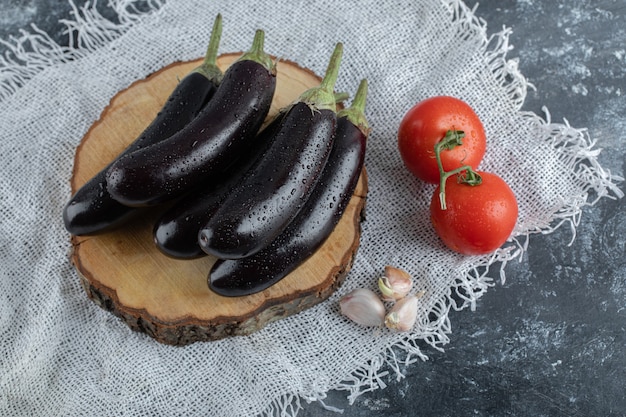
x,y
92,210
310,228
205,147
275,188
175,233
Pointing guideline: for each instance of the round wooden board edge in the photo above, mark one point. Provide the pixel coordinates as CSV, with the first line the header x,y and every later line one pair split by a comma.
x,y
190,329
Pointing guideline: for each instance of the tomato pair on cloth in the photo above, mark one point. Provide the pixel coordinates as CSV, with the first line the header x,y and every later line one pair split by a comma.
x,y
442,141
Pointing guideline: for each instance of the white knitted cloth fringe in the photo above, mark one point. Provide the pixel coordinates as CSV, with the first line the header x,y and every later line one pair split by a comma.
x,y
62,355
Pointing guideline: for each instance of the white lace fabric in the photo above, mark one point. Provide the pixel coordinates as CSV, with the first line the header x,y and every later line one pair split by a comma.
x,y
60,354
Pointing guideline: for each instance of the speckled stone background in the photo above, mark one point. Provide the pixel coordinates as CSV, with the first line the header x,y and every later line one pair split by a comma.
x,y
551,341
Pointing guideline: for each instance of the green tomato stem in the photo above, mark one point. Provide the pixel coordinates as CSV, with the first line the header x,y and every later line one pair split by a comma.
x,y
452,139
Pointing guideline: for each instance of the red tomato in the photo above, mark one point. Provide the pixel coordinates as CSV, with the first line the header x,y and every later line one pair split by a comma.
x,y
478,219
426,123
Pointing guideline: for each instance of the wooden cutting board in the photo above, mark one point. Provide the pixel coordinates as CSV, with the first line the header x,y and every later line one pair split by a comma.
x,y
169,299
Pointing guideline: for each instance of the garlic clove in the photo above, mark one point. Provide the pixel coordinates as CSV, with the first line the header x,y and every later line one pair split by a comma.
x,y
363,307
394,284
403,315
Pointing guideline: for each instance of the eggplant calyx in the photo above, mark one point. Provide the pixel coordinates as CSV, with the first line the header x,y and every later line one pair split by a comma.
x,y
356,112
323,96
209,67
257,54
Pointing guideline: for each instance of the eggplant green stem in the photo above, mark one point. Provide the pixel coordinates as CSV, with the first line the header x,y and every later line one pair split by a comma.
x,y
323,96
465,173
209,67
341,96
356,112
257,54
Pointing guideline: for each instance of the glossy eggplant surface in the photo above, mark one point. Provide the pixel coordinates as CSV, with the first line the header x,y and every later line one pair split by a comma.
x,y
206,146
176,231
314,223
91,209
279,184
275,188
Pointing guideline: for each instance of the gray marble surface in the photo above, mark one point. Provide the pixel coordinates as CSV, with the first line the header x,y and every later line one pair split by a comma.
x,y
551,341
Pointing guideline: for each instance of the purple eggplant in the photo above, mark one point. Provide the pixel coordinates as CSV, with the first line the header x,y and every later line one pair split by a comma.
x,y
176,232
276,187
206,146
314,223
91,209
